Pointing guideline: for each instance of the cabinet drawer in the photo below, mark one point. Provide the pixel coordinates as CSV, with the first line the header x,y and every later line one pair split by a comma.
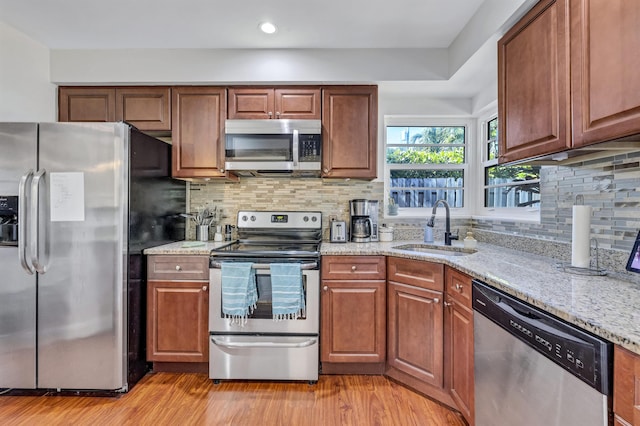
x,y
188,267
458,286
353,268
416,272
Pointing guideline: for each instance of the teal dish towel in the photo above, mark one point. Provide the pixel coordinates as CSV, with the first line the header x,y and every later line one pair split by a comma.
x,y
287,291
239,292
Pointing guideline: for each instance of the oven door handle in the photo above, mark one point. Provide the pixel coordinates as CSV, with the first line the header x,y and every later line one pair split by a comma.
x,y
304,266
243,345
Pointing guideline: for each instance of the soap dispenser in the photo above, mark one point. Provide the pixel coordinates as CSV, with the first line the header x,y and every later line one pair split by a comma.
x,y
428,234
469,241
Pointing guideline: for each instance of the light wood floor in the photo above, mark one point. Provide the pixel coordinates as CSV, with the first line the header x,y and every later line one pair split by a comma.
x,y
192,399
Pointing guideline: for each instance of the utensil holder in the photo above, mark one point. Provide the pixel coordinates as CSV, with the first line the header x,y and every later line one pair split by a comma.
x,y
202,232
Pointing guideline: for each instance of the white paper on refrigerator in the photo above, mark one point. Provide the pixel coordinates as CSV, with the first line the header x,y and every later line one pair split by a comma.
x,y
66,191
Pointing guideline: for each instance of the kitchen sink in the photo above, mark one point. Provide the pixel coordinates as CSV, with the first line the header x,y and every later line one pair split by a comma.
x,y
433,249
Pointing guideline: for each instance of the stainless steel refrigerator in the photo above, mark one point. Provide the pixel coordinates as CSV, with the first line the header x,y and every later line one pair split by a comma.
x,y
79,202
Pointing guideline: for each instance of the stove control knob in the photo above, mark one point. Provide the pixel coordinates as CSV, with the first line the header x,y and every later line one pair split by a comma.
x,y
314,219
253,218
244,218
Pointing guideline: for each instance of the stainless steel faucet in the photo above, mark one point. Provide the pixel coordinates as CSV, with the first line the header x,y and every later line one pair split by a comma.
x,y
447,230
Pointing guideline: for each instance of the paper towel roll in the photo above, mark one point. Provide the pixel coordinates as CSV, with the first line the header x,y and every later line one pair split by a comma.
x,y
581,237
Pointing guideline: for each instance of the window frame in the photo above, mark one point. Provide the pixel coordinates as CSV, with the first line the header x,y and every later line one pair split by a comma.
x,y
432,121
531,214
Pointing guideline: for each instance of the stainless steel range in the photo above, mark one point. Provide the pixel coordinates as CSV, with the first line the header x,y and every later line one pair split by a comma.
x,y
259,346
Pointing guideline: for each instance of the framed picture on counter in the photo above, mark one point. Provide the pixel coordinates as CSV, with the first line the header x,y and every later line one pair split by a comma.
x,y
633,264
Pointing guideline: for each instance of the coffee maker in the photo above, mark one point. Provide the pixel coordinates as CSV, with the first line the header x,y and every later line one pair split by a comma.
x,y
363,224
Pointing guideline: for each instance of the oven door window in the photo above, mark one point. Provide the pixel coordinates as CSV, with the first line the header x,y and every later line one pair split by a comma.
x,y
259,147
263,308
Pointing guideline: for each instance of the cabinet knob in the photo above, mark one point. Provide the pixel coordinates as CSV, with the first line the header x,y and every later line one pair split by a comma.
x,y
447,304
436,300
278,114
204,288
178,268
353,268
325,288
270,114
325,170
458,287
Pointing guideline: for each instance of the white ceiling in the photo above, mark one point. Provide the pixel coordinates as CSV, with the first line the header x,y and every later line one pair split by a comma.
x,y
103,24
302,24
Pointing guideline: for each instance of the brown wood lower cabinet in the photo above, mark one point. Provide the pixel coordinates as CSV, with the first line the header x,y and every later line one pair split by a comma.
x,y
178,313
626,387
459,341
353,315
415,327
415,332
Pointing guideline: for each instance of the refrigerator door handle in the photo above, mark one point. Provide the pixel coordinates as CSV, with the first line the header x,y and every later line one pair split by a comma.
x,y
23,224
40,266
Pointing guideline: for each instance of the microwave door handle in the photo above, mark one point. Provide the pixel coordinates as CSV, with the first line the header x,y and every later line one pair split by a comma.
x,y
23,223
296,148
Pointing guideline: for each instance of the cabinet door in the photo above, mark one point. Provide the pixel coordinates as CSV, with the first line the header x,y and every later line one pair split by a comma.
x,y
605,41
198,132
533,84
353,321
177,321
349,132
415,332
626,387
297,103
86,104
459,333
251,103
147,108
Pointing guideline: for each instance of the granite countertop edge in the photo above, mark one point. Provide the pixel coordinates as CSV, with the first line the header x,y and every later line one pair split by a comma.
x,y
607,306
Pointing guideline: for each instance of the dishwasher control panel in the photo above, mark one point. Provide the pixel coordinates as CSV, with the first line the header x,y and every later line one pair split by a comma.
x,y
583,354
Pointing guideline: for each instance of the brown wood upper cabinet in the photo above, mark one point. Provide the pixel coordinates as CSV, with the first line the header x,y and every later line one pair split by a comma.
x,y
198,132
268,103
533,94
581,88
349,132
148,108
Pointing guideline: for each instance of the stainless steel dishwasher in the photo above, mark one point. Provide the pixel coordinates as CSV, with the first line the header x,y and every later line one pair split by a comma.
x,y
533,369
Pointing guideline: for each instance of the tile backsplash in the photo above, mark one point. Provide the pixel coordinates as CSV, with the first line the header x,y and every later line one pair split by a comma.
x,y
611,186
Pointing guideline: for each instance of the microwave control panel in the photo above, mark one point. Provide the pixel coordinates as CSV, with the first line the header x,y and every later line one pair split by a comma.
x,y
310,148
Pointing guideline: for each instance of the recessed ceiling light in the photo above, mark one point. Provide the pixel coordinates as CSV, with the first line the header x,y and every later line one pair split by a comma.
x,y
268,28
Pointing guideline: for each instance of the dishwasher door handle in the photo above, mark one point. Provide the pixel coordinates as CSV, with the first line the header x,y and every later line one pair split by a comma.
x,y
266,344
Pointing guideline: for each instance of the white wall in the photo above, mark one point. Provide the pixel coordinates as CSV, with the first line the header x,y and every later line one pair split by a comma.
x,y
26,93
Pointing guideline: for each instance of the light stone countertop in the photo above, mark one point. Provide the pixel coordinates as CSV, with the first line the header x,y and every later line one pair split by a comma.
x,y
607,306
604,305
187,247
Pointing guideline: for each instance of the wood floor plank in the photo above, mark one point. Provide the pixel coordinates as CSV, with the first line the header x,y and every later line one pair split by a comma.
x,y
192,399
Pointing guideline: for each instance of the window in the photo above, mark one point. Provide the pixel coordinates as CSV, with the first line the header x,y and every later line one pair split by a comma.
x,y
426,161
507,187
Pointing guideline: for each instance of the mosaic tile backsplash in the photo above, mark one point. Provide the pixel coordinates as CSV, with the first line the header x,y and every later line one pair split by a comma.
x,y
611,186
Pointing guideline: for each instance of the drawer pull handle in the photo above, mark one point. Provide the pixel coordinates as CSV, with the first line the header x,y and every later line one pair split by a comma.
x,y
353,268
178,268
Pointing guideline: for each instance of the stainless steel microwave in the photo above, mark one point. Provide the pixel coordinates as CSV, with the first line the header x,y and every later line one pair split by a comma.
x,y
273,147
